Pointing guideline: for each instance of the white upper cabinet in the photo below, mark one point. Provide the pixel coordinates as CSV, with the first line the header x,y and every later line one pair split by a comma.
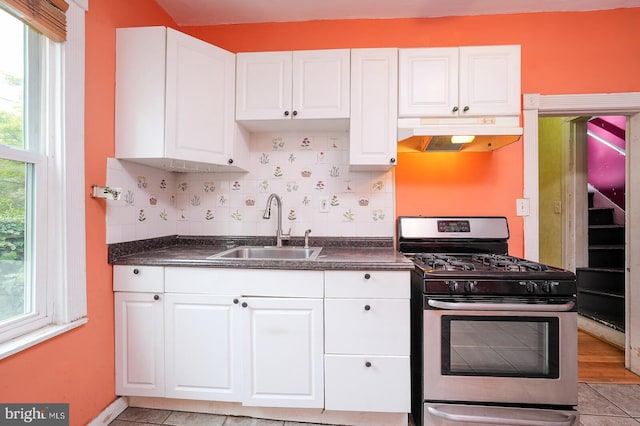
x,y
456,82
306,89
175,102
374,108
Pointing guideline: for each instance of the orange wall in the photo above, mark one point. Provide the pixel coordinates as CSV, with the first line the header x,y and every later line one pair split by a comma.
x,y
561,53
586,52
78,367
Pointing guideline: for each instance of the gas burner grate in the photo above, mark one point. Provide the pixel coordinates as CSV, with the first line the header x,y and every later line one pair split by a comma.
x,y
509,263
444,262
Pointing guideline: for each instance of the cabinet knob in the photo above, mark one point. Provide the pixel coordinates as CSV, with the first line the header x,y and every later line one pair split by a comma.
x,y
295,113
235,301
367,307
367,364
244,304
286,113
136,271
392,160
367,276
156,297
230,161
466,108
455,109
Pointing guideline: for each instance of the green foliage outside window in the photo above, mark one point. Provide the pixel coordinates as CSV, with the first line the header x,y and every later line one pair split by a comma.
x,y
12,211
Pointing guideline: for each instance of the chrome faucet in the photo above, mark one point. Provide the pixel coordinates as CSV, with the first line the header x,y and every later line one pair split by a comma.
x,y
306,238
267,214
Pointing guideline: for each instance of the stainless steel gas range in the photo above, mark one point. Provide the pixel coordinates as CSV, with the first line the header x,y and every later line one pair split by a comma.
x,y
494,337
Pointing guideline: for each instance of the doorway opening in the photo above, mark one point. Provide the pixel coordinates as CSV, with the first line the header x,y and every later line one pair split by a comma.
x,y
585,106
599,262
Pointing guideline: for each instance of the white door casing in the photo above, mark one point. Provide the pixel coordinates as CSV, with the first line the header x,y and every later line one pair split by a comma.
x,y
536,105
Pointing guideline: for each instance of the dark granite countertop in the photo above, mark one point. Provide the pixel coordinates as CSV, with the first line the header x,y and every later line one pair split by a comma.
x,y
337,253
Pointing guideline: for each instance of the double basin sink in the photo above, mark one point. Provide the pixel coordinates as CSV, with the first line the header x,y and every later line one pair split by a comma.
x,y
269,253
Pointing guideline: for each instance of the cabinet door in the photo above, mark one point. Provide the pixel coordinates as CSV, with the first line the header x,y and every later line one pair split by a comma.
x,y
490,80
199,100
374,108
263,89
139,339
368,383
201,343
428,82
283,352
367,326
321,84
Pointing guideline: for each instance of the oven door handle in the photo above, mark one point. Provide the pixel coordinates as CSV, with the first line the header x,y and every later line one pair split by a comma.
x,y
522,307
494,418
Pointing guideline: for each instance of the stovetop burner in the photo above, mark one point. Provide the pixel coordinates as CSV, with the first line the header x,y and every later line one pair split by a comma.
x,y
484,262
468,256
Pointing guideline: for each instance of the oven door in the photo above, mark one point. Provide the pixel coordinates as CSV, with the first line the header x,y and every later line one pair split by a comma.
x,y
523,354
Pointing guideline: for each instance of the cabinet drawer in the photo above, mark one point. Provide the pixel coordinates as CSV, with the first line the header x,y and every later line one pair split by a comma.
x,y
361,383
367,326
368,284
138,278
245,282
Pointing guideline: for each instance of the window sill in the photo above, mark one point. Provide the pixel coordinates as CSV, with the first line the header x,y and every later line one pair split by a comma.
x,y
38,336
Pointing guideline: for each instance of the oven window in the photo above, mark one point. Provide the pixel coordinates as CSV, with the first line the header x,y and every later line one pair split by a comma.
x,y
499,346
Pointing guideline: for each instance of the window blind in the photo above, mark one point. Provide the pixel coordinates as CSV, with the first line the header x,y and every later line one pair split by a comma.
x,y
45,16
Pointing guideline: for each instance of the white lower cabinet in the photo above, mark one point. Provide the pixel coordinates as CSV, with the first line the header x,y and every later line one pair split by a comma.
x,y
283,352
337,340
201,347
367,341
367,383
139,337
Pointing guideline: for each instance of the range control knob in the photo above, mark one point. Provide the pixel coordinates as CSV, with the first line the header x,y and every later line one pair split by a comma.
x,y
453,286
529,286
470,286
546,287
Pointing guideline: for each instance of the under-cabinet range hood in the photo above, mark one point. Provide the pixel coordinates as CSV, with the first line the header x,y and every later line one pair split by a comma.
x,y
435,134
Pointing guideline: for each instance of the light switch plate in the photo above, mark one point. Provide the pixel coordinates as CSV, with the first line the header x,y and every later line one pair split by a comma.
x,y
522,207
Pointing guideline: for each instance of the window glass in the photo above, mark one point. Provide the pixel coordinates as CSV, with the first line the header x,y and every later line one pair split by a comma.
x,y
16,286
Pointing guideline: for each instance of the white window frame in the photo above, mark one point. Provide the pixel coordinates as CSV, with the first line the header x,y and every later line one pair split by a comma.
x,y
64,267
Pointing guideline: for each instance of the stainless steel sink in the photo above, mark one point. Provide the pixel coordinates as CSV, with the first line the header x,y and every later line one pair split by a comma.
x,y
269,253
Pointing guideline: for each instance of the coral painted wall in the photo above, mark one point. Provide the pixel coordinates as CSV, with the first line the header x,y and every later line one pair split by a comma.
x,y
78,367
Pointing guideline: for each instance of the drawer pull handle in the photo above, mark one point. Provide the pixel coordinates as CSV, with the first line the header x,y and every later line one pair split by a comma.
x,y
367,276
367,364
244,304
156,297
236,301
136,271
367,307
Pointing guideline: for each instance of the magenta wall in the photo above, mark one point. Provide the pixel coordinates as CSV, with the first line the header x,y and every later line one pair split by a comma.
x,y
606,167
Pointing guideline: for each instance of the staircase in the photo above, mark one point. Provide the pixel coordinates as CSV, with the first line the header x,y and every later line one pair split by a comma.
x,y
601,284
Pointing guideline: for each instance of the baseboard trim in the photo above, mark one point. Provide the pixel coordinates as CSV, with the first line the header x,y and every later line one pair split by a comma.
x,y
304,415
602,332
110,413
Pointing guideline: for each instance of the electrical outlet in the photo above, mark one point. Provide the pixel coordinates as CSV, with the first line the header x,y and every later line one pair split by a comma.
x,y
324,204
557,206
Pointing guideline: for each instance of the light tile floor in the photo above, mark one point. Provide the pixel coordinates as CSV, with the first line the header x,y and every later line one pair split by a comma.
x,y
600,404
606,404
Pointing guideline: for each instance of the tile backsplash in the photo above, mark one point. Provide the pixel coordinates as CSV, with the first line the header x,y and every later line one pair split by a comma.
x,y
310,172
